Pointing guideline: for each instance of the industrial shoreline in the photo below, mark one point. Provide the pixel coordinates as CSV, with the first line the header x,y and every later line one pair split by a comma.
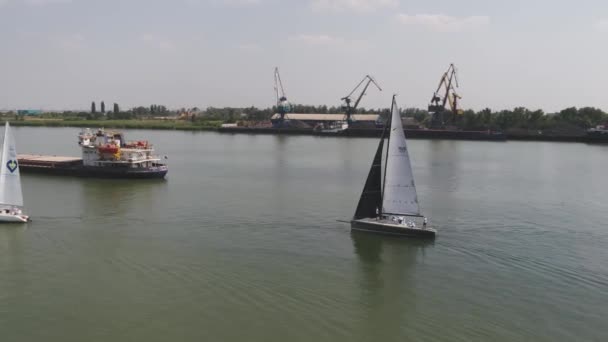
x,y
352,133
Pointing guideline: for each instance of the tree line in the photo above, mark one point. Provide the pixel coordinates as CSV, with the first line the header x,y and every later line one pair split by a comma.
x,y
521,118
518,118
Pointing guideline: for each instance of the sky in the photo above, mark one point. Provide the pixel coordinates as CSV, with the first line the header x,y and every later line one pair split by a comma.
x,y
63,54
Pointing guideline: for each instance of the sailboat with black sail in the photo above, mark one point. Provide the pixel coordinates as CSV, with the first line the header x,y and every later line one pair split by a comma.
x,y
389,203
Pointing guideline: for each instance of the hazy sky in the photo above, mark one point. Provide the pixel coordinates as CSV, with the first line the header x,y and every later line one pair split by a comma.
x,y
62,54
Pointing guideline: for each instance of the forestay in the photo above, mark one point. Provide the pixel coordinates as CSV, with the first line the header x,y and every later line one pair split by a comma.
x,y
399,188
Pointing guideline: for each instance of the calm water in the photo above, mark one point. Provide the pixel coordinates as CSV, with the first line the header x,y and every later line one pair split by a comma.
x,y
241,243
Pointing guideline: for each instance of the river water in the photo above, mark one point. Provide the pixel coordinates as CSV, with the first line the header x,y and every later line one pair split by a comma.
x,y
241,243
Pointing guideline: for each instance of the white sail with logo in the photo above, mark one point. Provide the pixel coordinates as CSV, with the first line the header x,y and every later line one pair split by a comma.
x,y
10,180
399,189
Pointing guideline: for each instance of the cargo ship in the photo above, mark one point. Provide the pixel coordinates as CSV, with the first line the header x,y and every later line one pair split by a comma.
x,y
104,155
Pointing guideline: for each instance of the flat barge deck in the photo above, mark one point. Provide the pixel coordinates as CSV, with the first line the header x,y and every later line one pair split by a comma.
x,y
73,166
373,133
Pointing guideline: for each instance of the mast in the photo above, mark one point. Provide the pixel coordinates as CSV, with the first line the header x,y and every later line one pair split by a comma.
x,y
389,127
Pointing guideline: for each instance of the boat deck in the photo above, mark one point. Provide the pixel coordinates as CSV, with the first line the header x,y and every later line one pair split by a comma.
x,y
42,160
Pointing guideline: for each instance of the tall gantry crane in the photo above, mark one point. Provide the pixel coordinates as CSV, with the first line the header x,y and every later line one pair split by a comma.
x,y
351,110
283,106
445,95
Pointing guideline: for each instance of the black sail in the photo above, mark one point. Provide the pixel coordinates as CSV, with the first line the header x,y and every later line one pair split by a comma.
x,y
371,198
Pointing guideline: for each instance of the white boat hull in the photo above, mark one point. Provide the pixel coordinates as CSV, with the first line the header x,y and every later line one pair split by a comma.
x,y
10,218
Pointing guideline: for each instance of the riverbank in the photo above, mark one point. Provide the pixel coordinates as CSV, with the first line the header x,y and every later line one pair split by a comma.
x,y
122,124
216,127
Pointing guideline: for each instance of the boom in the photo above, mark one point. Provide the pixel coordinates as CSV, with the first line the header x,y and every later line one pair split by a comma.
x,y
282,104
351,110
278,86
447,84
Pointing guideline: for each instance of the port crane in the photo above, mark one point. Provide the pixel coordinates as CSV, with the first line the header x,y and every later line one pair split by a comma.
x,y
351,110
444,95
283,106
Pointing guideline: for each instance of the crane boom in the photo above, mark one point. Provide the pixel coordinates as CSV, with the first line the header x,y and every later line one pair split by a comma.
x,y
447,85
350,110
278,85
282,104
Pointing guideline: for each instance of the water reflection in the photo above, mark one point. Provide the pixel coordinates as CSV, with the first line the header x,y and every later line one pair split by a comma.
x,y
11,248
11,263
370,247
387,282
280,142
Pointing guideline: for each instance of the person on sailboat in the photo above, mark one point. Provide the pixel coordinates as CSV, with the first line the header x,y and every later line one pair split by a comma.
x,y
377,213
424,223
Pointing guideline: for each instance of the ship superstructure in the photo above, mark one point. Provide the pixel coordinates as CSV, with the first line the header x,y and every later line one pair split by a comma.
x,y
102,149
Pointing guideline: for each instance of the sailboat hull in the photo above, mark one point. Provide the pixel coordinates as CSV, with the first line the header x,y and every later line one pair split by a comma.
x,y
371,225
9,218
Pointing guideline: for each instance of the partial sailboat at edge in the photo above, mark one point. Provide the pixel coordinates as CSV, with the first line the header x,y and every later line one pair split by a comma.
x,y
389,203
11,196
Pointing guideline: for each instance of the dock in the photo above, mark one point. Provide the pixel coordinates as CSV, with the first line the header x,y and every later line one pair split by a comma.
x,y
373,133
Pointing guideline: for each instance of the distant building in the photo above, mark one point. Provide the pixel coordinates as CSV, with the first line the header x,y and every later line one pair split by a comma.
x,y
29,112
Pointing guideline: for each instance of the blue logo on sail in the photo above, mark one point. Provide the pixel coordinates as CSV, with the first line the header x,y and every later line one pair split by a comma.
x,y
12,165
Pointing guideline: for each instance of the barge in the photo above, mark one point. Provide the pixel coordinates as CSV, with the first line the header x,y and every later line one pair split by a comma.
x,y
104,155
438,134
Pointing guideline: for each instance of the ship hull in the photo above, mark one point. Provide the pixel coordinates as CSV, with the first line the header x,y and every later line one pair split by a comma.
x,y
597,137
374,133
156,172
386,228
10,218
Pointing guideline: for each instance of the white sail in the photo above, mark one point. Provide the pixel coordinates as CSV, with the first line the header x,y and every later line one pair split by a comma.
x,y
399,188
10,180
